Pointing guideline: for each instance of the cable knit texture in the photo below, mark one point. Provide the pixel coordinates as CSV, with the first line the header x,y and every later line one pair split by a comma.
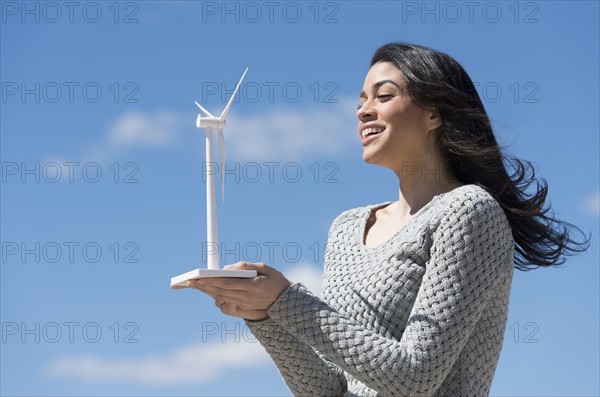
x,y
422,314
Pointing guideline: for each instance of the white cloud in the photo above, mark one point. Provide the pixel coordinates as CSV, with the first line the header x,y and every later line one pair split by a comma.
x,y
136,130
196,363
289,134
292,133
192,364
130,131
146,130
309,275
592,204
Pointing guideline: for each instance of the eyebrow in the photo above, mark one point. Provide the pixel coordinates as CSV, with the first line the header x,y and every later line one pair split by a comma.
x,y
378,84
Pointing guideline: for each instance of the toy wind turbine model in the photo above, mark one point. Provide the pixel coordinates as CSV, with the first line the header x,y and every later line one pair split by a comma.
x,y
210,123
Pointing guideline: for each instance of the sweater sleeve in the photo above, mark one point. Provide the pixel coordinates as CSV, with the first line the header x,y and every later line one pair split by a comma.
x,y
472,249
303,369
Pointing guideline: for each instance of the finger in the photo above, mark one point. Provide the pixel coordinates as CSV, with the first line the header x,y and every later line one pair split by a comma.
x,y
219,302
214,293
217,290
225,283
209,286
220,298
240,298
243,300
231,309
260,268
188,285
237,311
235,266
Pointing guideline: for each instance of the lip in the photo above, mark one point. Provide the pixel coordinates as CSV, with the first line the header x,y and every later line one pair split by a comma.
x,y
370,138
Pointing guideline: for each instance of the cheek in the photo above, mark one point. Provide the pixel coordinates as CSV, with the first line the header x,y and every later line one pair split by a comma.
x,y
396,118
402,117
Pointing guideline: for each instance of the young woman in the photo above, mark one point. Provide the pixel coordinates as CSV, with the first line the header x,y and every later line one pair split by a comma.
x,y
416,291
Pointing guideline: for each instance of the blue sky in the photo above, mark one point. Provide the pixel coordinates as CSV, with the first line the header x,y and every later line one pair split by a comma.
x,y
103,192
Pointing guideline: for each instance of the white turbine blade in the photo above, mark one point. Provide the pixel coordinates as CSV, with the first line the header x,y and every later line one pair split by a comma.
x,y
206,112
222,161
224,114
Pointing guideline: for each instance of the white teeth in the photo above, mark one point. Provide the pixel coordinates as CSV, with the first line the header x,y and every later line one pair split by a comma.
x,y
372,130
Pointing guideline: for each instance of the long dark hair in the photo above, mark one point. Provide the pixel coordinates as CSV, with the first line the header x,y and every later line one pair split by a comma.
x,y
434,80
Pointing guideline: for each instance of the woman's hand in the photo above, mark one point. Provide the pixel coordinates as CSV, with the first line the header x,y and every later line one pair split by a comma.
x,y
246,298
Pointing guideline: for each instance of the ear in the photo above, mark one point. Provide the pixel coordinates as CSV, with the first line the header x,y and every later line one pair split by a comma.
x,y
434,121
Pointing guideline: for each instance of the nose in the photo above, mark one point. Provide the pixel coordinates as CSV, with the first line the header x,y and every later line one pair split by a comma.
x,y
365,112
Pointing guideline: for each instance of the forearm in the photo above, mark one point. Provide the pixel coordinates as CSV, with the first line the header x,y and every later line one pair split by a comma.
x,y
303,370
369,357
415,365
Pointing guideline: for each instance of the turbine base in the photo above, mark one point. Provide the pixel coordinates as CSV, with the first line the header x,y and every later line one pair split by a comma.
x,y
182,279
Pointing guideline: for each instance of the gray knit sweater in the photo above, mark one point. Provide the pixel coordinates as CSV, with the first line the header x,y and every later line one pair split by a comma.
x,y
422,314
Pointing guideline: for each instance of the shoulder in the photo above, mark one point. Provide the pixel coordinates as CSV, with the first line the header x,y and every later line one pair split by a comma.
x,y
472,233
472,214
353,214
469,199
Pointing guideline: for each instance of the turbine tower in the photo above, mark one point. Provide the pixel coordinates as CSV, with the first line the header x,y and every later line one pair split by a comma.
x,y
210,122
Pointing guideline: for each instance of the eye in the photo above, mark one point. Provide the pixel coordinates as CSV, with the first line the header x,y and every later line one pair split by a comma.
x,y
385,97
359,106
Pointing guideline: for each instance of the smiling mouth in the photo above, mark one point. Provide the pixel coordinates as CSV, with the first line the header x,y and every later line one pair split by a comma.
x,y
367,132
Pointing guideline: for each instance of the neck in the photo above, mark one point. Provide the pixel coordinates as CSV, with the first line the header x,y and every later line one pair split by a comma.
x,y
419,183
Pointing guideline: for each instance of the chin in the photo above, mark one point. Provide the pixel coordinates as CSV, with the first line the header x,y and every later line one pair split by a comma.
x,y
377,158
366,158
370,159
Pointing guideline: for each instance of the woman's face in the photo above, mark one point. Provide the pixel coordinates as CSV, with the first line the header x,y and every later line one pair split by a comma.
x,y
394,131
